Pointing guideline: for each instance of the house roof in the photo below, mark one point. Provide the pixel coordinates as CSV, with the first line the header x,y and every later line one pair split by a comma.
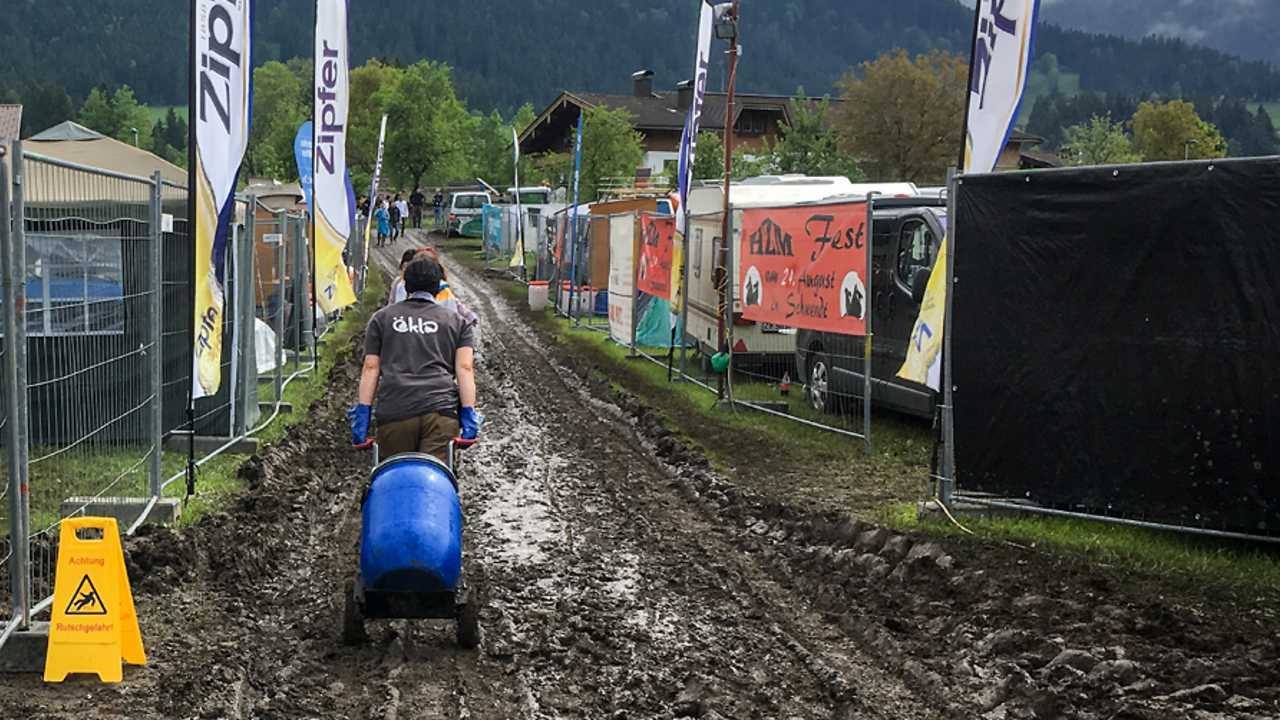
x,y
657,111
78,144
10,123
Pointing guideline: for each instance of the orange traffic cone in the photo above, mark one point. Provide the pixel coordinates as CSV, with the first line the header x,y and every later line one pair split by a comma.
x,y
785,385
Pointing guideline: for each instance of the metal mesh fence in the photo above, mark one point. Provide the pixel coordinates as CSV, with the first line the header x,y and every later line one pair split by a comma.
x,y
816,379
85,284
97,352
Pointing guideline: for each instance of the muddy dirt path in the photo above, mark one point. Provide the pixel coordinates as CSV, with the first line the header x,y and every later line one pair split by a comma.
x,y
621,579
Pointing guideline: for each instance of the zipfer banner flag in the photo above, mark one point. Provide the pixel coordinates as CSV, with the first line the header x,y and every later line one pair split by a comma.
x,y
221,112
689,145
1002,49
332,212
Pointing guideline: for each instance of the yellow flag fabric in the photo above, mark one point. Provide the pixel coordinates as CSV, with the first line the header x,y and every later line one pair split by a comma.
x,y
333,284
924,352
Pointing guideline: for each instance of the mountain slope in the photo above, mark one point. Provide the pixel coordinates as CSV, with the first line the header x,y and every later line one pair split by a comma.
x,y
512,51
1243,27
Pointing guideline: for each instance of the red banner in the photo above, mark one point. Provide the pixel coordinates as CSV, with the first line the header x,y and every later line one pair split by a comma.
x,y
806,267
657,244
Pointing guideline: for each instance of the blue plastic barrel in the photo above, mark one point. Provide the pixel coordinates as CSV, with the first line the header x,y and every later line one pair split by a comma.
x,y
412,535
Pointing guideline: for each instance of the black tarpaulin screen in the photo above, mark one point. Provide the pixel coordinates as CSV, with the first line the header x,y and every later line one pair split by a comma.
x,y
1117,341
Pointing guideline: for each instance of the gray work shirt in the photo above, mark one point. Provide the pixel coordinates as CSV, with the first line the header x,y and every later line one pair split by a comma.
x,y
417,341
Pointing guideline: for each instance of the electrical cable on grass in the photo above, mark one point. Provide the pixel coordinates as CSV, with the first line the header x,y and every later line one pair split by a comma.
x,y
947,511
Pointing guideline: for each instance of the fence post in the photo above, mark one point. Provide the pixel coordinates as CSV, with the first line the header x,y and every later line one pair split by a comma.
x,y
301,301
684,296
868,345
947,485
246,300
730,290
12,230
282,225
156,327
635,277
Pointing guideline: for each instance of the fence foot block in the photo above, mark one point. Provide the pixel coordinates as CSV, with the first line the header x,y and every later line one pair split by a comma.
x,y
932,510
266,408
125,510
25,651
177,442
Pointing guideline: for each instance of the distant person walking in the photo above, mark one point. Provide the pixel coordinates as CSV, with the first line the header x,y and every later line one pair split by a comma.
x,y
437,204
416,202
383,216
404,213
396,219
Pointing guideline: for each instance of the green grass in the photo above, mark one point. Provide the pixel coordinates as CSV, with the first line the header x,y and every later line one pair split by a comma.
x,y
1273,109
805,466
780,458
86,472
1180,560
159,112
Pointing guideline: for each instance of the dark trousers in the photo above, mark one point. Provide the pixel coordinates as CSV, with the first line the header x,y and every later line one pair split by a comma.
x,y
429,434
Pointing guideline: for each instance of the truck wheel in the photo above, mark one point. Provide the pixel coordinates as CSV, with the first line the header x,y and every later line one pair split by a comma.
x,y
352,619
469,624
818,385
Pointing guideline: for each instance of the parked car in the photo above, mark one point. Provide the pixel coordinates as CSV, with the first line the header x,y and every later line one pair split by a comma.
x,y
465,210
906,234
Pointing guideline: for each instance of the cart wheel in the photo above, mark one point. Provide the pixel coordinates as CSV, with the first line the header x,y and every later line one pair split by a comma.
x,y
469,624
352,620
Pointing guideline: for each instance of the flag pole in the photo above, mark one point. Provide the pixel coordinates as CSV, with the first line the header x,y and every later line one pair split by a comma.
x,y
192,228
728,181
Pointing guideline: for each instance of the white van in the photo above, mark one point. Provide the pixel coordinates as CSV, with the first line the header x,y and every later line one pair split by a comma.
x,y
465,210
706,205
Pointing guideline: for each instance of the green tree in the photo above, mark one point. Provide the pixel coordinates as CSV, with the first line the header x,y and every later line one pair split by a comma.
x,y
492,152
809,146
370,84
117,115
1099,142
428,128
611,148
708,163
901,118
1173,131
278,110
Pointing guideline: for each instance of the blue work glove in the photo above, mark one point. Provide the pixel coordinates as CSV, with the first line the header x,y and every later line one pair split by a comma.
x,y
471,422
359,415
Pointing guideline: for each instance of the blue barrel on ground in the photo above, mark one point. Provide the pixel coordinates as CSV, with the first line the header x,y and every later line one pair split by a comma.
x,y
411,540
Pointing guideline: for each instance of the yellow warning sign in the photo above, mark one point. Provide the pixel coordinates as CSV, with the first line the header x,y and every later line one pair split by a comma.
x,y
94,625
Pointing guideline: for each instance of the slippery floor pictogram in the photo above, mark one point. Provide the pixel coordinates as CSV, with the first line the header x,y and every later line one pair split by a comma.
x,y
86,600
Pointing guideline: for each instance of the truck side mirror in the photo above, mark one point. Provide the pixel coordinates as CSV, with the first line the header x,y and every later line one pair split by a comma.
x,y
919,284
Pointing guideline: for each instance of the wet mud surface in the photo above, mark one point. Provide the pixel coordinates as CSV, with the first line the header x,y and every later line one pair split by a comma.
x,y
621,578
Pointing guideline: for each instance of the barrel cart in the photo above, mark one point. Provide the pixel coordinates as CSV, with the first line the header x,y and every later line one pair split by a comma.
x,y
411,550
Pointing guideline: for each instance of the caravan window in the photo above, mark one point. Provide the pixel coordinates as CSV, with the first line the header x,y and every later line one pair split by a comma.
x,y
75,285
915,249
697,253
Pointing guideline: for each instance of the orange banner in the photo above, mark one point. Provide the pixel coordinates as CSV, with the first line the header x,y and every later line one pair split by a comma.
x,y
806,267
657,243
